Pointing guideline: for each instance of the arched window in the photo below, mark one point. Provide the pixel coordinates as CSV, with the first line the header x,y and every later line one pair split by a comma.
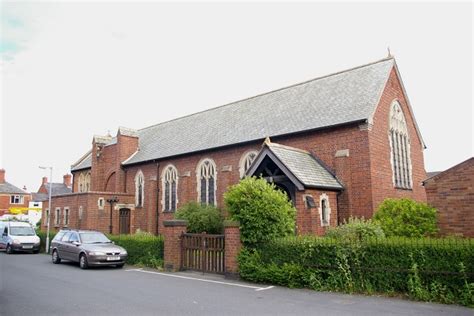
x,y
206,180
87,182
139,189
81,182
324,210
170,188
400,148
246,161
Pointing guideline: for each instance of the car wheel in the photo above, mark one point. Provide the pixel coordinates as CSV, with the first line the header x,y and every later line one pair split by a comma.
x,y
55,257
83,262
120,266
9,249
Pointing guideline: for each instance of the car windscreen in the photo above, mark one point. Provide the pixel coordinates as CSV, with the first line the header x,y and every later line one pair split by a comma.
x,y
93,238
21,231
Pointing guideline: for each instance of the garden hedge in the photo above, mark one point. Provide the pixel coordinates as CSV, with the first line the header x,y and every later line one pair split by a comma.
x,y
427,269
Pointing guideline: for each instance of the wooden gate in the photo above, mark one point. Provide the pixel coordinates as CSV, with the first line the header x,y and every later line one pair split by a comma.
x,y
203,252
124,221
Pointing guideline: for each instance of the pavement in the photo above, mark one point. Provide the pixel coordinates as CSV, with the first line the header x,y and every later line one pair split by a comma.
x,y
32,285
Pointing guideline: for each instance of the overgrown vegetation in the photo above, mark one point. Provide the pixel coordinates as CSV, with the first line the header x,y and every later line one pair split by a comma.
x,y
406,218
422,269
201,218
263,211
356,229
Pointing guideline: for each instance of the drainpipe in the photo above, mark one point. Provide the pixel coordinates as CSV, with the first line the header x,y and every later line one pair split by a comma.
x,y
157,197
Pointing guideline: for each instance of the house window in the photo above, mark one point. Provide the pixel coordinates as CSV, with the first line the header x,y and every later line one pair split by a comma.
x,y
80,213
139,189
324,210
170,188
100,203
246,162
400,148
57,217
46,217
66,216
16,199
206,181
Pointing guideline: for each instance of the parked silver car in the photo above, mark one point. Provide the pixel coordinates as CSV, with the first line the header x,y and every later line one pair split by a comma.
x,y
89,248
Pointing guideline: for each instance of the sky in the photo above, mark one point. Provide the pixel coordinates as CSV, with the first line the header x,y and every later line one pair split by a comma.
x,y
71,70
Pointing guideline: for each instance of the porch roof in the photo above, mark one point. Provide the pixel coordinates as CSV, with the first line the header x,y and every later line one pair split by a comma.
x,y
300,166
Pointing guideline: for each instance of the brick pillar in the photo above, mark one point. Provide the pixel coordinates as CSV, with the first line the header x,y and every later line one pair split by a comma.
x,y
232,249
172,230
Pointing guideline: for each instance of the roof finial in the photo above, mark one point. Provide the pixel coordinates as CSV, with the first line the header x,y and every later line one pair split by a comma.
x,y
108,133
389,53
267,141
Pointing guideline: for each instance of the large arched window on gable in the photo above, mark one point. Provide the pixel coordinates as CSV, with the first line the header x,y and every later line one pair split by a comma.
x,y
400,148
246,162
139,189
170,188
206,180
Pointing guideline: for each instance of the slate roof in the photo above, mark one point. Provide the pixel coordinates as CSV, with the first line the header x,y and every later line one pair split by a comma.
x,y
58,189
9,188
344,97
305,167
84,163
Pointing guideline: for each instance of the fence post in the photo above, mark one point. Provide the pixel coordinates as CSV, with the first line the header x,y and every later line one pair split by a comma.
x,y
232,249
172,231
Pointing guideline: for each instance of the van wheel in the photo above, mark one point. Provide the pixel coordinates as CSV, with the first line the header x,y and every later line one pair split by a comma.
x,y
55,257
9,249
83,262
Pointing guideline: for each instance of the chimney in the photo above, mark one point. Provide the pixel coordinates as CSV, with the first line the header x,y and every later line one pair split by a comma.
x,y
2,175
67,180
45,180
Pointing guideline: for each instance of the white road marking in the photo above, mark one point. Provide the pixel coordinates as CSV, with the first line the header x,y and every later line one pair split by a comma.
x,y
265,288
256,288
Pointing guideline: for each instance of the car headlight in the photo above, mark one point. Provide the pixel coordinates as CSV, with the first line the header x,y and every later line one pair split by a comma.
x,y
16,241
123,252
97,253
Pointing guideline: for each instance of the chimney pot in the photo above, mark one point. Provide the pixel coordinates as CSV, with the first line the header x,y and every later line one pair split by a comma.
x,y
67,180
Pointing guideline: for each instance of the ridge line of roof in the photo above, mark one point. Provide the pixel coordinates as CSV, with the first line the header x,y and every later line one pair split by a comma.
x,y
288,148
272,91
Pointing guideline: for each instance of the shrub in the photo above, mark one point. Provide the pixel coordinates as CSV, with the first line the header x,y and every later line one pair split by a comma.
x,y
42,235
201,218
144,249
263,211
356,229
406,218
439,270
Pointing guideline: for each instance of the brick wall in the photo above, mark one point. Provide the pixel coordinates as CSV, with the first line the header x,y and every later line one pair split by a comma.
x,y
452,194
380,166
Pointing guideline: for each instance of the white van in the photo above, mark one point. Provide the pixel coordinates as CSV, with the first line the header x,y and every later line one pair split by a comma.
x,y
18,236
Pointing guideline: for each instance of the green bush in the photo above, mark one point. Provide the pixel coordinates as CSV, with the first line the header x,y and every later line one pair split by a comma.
x,y
42,235
263,211
144,249
439,270
406,218
201,218
356,229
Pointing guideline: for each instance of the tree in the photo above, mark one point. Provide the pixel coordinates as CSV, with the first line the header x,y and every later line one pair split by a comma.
x,y
264,212
407,218
201,218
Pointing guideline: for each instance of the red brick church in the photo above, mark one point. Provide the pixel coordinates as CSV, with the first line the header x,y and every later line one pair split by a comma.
x,y
338,145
